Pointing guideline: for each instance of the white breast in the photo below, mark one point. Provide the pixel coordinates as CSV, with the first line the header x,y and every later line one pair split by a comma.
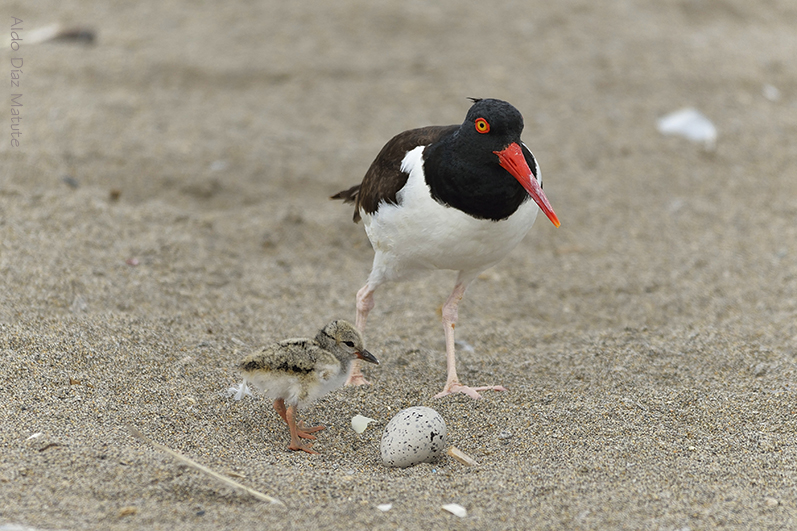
x,y
420,234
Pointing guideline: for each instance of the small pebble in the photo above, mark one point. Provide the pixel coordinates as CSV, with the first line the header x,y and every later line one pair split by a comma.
x,y
70,181
218,165
130,510
771,92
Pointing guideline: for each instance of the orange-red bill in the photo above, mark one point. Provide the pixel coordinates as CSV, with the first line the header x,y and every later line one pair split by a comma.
x,y
512,160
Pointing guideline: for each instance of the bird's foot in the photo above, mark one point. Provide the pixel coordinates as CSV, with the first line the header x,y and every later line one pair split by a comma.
x,y
304,432
472,392
357,379
305,447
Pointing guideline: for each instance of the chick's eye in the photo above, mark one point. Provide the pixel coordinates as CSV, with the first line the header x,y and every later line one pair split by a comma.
x,y
482,126
349,343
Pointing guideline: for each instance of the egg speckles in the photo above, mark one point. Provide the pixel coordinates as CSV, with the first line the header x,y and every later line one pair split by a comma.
x,y
415,435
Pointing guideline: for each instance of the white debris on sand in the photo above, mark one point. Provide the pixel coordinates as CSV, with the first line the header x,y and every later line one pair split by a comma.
x,y
690,124
239,391
456,509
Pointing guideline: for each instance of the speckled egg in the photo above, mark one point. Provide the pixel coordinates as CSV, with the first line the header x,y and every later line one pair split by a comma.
x,y
415,435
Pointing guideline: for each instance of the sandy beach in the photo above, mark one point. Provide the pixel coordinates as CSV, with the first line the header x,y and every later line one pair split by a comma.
x,y
167,211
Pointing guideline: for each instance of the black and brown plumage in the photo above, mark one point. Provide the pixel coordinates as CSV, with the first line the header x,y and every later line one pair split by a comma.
x,y
296,372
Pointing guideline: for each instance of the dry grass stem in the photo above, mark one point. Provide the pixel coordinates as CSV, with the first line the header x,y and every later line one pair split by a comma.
x,y
205,470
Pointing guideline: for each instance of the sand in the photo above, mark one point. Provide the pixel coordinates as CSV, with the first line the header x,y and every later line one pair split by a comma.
x,y
167,211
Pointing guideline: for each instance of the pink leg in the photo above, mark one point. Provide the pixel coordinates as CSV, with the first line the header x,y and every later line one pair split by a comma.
x,y
296,444
450,315
301,431
365,302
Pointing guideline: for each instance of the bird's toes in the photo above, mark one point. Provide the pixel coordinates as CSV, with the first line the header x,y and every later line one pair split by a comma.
x,y
304,431
459,389
304,447
472,392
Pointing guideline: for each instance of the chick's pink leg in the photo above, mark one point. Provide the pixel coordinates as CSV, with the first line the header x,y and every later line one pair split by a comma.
x,y
296,443
301,430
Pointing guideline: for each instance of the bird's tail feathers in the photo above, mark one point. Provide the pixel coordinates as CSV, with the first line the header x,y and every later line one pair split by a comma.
x,y
348,196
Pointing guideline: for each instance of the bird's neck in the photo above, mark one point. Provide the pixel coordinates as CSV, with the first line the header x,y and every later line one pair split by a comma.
x,y
471,182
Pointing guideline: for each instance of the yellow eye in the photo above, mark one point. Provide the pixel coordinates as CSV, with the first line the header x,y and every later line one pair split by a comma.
x,y
482,126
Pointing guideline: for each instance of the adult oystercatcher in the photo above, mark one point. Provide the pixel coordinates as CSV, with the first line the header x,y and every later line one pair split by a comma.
x,y
457,197
298,371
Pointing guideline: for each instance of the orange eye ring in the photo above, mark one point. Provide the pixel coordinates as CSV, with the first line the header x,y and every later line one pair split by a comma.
x,y
482,126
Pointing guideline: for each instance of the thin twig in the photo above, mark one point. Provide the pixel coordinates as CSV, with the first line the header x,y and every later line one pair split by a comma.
x,y
204,469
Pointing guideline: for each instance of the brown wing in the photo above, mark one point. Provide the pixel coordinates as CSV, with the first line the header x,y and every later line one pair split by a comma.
x,y
384,178
291,356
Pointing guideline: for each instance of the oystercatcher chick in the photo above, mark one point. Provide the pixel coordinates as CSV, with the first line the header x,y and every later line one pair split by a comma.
x,y
295,372
456,197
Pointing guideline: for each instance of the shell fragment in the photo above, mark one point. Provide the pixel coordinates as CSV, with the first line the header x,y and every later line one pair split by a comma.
x,y
691,124
359,423
461,456
456,509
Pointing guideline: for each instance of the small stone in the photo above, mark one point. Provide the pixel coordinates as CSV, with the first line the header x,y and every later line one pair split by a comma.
x,y
130,510
218,165
771,502
70,181
771,92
